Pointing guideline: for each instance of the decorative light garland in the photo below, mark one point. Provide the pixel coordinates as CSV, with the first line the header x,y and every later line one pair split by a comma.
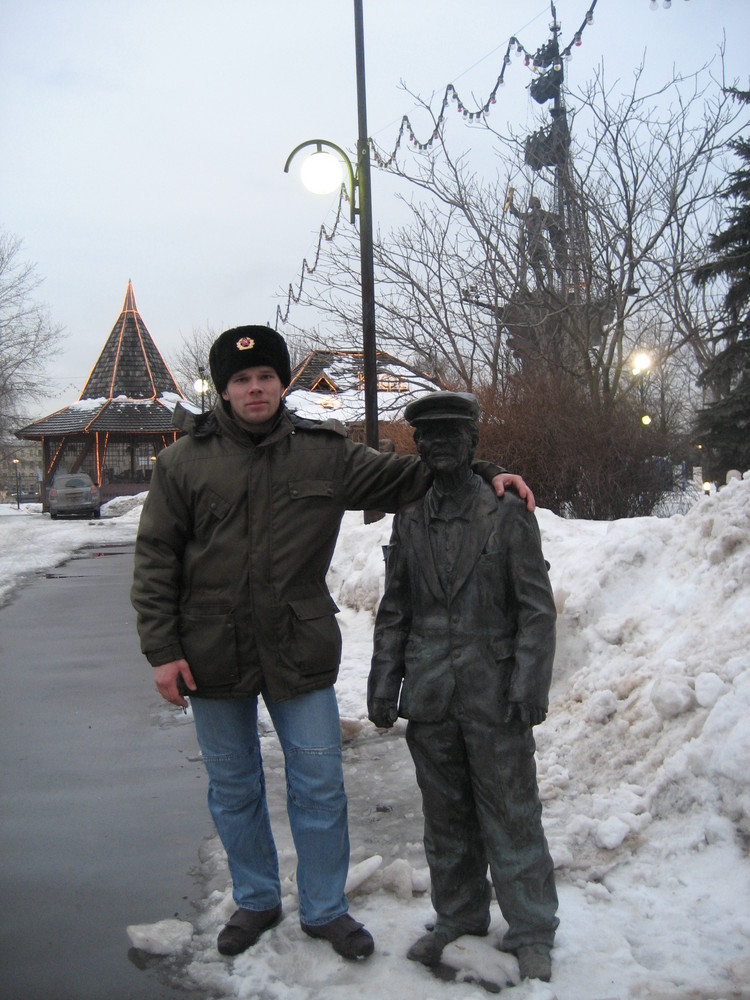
x,y
294,297
541,59
545,56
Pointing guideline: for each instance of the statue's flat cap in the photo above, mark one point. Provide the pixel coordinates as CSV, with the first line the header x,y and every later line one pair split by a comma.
x,y
443,406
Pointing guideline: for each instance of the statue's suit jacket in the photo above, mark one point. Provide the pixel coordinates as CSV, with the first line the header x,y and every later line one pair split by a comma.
x,y
490,640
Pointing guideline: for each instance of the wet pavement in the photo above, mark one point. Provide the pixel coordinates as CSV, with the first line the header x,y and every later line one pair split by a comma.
x,y
102,794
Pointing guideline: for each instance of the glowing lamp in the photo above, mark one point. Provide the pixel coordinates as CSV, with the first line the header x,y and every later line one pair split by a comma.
x,y
321,173
641,363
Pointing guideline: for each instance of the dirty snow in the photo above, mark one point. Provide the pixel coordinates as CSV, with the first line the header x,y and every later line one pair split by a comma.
x,y
643,770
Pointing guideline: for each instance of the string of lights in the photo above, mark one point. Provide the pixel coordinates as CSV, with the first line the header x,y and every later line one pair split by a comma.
x,y
323,236
544,57
535,61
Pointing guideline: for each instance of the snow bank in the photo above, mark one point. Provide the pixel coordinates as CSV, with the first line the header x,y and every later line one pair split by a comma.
x,y
642,764
31,542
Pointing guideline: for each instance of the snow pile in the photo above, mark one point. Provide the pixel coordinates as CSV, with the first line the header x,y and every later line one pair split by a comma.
x,y
643,769
167,937
652,679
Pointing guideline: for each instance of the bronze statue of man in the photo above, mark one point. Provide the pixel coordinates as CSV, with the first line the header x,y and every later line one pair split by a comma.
x,y
536,220
463,649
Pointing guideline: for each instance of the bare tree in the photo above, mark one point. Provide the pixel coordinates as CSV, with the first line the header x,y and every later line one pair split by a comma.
x,y
426,272
646,177
476,290
189,364
28,338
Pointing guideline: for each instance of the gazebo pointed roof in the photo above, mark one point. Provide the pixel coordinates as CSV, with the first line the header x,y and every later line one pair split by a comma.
x,y
130,390
130,364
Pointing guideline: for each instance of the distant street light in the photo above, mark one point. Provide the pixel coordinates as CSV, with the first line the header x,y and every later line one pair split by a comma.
x,y
201,385
18,485
641,365
318,171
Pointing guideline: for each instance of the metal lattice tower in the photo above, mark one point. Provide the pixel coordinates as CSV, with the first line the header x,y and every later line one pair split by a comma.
x,y
573,307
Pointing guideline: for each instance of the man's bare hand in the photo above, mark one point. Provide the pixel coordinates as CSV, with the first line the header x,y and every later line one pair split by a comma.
x,y
505,480
165,678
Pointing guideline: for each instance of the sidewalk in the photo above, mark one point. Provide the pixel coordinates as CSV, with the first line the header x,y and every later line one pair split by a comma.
x,y
102,795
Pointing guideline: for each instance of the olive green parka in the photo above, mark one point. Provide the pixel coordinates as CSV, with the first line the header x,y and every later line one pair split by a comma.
x,y
234,543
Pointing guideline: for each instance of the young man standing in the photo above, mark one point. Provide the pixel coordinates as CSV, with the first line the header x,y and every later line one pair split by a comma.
x,y
234,543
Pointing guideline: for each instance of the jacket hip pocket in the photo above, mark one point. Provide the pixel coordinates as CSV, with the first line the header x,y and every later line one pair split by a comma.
x,y
209,642
315,635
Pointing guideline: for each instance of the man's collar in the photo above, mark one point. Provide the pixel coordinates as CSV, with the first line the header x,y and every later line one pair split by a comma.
x,y
456,503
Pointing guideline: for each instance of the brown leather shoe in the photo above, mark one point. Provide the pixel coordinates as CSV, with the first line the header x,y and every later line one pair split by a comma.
x,y
347,937
244,928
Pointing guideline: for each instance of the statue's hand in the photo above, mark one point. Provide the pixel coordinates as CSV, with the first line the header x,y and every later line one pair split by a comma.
x,y
382,712
529,715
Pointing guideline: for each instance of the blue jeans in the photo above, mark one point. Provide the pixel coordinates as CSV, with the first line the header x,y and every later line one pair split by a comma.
x,y
310,735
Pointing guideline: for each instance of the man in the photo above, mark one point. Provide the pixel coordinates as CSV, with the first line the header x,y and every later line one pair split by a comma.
x,y
233,547
463,649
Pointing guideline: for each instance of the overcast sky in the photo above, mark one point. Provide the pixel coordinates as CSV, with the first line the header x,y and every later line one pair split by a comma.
x,y
146,139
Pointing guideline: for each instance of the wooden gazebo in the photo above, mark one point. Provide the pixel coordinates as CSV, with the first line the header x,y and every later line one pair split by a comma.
x,y
122,418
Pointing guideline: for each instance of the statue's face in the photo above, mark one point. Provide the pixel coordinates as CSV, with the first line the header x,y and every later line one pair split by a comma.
x,y
445,445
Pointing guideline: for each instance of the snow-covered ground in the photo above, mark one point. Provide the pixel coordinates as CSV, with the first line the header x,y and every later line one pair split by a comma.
x,y
644,763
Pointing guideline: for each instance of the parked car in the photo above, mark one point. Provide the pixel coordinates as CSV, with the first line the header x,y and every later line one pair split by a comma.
x,y
74,493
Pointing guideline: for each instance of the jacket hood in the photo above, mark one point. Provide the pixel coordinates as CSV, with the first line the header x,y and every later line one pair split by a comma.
x,y
195,424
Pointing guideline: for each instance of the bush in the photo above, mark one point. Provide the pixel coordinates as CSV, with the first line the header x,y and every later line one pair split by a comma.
x,y
581,460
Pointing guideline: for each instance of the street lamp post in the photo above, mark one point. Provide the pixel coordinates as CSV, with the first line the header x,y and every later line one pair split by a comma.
x,y
201,385
360,200
365,239
18,485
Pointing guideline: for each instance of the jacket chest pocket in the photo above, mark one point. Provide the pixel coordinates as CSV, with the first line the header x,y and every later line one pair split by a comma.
x,y
211,510
311,489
